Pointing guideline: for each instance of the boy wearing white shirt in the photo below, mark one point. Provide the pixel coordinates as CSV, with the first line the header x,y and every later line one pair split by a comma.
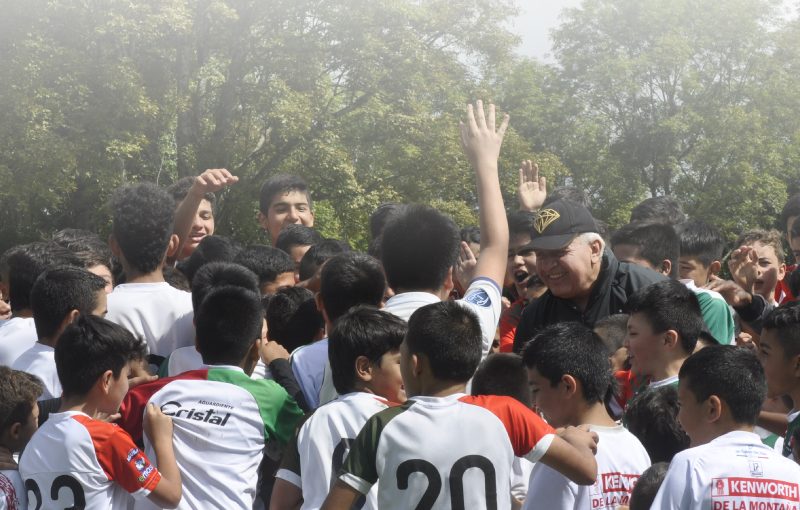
x,y
570,376
721,390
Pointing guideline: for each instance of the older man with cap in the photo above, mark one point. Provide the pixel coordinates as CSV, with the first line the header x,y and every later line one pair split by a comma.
x,y
585,281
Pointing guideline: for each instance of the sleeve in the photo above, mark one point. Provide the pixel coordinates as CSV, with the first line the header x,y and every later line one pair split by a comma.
x,y
304,380
279,412
290,463
484,297
360,470
717,317
125,464
677,490
550,489
754,313
282,373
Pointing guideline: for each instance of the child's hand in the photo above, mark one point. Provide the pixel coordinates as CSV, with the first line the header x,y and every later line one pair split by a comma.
x,y
532,190
743,265
213,179
479,138
465,266
733,294
157,425
271,351
579,437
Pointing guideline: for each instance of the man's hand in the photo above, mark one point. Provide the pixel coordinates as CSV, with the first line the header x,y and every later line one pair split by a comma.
x,y
480,139
743,265
212,180
270,351
734,295
465,266
532,190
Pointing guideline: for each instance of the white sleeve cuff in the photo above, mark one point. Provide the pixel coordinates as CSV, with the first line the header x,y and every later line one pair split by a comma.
x,y
541,448
289,476
355,482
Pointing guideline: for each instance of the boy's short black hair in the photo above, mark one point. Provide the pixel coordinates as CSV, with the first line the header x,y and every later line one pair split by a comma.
x,y
176,279
293,318
60,290
19,392
211,249
25,264
351,279
570,348
656,242
265,261
90,346
785,321
278,185
733,374
520,222
362,331
701,240
612,330
646,488
503,374
382,215
180,188
143,216
296,235
227,324
670,305
418,248
470,234
87,246
450,336
790,208
652,416
659,209
220,274
318,254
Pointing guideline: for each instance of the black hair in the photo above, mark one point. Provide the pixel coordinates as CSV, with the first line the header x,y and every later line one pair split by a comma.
x,y
278,185
670,305
362,331
143,216
227,324
659,209
90,346
470,234
86,245
520,222
570,193
293,318
318,254
701,240
210,249
449,336
25,264
418,248
220,274
656,242
382,215
60,290
612,331
296,235
652,416
180,188
19,392
646,488
176,279
733,374
266,262
791,208
785,321
570,348
503,374
351,279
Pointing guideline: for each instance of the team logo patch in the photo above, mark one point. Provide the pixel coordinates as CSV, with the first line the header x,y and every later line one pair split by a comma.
x,y
544,219
478,297
140,464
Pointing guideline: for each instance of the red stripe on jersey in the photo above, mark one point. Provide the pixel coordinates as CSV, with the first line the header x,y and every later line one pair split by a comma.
x,y
9,492
134,403
525,428
121,460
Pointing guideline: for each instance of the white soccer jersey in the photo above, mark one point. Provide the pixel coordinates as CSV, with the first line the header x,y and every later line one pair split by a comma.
x,y
158,313
184,359
313,460
734,471
40,361
484,297
73,461
17,335
621,459
312,369
445,452
222,421
12,491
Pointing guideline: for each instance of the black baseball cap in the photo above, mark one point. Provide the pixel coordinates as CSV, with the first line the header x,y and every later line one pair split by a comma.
x,y
558,223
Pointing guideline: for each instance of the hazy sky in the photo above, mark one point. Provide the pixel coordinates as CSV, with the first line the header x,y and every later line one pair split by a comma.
x,y
536,19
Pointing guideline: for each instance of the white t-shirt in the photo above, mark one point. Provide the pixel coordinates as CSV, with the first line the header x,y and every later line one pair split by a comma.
x,y
17,335
40,361
520,475
12,491
184,359
669,381
484,297
313,461
156,312
621,459
733,471
81,460
312,370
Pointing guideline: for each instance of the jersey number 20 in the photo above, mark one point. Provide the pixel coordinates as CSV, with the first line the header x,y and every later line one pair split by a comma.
x,y
406,468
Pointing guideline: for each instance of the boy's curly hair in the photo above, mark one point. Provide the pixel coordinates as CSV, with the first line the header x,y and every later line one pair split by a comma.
x,y
143,219
18,394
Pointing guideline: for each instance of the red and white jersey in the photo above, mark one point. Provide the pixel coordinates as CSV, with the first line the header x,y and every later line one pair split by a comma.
x,y
12,491
313,460
73,461
621,459
735,470
445,452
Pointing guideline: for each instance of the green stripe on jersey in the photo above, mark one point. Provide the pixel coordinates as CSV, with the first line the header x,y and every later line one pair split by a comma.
x,y
279,412
787,441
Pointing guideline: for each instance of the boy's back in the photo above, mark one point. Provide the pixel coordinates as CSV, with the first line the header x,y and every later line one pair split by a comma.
x,y
84,463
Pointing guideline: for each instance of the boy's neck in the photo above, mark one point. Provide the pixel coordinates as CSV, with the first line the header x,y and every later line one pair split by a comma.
x,y
50,342
25,313
134,276
441,293
442,389
670,369
85,405
593,414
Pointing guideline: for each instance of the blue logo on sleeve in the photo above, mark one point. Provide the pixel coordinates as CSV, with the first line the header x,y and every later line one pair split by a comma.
x,y
478,297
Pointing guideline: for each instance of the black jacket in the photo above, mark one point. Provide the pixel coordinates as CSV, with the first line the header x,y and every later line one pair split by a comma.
x,y
616,281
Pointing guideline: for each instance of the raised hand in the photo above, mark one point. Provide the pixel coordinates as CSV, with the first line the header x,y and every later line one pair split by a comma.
x,y
212,180
465,266
743,265
532,189
480,139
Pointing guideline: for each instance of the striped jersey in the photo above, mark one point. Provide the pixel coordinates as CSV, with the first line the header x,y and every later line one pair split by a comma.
x,y
222,422
73,461
445,452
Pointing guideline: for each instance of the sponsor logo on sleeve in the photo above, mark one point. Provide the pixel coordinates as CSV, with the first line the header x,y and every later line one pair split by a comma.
x,y
754,494
131,454
478,297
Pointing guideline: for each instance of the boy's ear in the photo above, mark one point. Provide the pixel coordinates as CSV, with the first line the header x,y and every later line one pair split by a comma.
x,y
172,247
796,366
254,354
14,430
448,282
715,267
666,267
671,338
262,220
363,368
713,407
570,384
105,381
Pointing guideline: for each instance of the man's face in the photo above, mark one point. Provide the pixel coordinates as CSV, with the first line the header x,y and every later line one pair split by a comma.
x,y
770,270
287,208
569,272
781,372
691,415
643,345
521,266
202,226
691,268
547,398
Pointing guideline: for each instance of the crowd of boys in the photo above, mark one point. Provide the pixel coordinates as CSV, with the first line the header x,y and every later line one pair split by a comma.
x,y
533,361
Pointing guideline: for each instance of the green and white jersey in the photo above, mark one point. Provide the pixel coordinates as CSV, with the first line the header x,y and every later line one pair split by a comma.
x,y
445,452
788,441
716,313
316,454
